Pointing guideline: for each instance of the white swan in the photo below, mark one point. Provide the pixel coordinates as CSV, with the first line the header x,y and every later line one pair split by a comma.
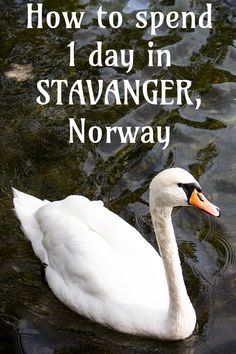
x,y
102,268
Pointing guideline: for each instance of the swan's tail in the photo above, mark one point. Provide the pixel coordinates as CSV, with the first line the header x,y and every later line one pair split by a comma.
x,y
25,207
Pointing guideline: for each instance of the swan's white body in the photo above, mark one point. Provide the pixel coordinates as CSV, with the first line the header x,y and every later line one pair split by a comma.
x,y
102,268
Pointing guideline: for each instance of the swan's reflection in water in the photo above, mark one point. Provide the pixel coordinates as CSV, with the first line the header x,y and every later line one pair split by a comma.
x,y
33,336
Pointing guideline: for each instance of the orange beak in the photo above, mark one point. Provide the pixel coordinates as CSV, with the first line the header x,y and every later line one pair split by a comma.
x,y
198,200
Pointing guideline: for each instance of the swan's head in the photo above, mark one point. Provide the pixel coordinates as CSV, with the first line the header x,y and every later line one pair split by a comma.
x,y
177,187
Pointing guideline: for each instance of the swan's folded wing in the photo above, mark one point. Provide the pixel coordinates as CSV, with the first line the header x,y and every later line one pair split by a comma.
x,y
110,226
80,262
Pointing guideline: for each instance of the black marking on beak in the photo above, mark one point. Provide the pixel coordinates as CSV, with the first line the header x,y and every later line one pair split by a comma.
x,y
200,198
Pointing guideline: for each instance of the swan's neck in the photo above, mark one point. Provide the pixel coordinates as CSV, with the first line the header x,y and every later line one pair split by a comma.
x,y
179,302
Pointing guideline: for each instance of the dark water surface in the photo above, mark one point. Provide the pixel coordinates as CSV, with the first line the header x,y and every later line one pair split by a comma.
x,y
35,157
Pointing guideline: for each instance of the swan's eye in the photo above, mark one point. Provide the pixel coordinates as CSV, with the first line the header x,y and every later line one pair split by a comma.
x,y
189,188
